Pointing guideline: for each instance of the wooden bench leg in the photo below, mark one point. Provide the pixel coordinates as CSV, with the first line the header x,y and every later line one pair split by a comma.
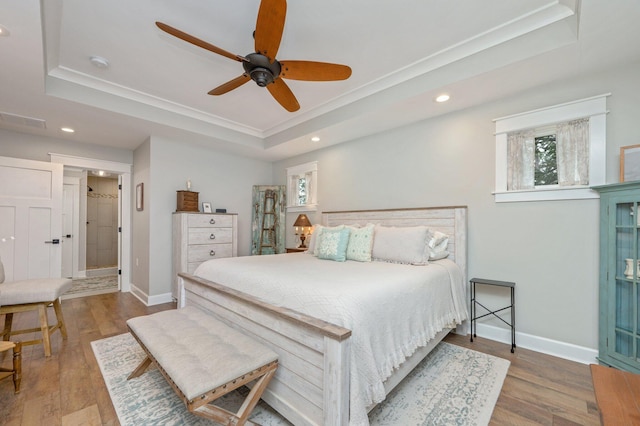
x,y
205,407
254,396
57,307
44,327
140,369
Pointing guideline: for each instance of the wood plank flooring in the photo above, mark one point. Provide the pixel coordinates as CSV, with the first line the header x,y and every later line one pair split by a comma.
x,y
67,388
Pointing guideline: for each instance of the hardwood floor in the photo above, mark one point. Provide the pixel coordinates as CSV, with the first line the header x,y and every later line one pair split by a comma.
x,y
67,388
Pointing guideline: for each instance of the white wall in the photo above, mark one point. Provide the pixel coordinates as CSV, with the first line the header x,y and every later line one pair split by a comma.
x,y
224,180
550,249
140,260
33,147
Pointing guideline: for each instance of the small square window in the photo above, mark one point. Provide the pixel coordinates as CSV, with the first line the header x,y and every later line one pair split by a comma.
x,y
302,187
538,157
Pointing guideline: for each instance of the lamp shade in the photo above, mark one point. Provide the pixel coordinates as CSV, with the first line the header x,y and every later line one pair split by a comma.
x,y
302,220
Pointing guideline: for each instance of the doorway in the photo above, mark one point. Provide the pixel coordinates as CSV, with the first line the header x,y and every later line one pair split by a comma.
x,y
102,225
82,169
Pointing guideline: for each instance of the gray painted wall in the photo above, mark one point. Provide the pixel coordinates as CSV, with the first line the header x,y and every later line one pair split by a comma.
x,y
33,147
225,180
550,249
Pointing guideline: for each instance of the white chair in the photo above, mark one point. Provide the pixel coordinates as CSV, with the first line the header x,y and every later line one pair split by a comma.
x,y
32,295
16,371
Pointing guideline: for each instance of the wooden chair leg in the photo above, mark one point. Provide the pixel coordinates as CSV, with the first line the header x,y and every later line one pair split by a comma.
x,y
8,321
44,327
58,309
17,366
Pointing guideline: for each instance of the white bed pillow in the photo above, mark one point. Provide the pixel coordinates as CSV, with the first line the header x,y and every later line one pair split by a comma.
x,y
360,243
311,243
406,245
437,245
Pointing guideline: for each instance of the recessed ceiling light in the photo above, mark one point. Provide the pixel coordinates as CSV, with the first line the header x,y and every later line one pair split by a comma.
x,y
99,62
67,129
4,32
315,139
443,98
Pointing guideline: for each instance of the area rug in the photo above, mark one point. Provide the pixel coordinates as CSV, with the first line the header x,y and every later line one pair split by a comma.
x,y
452,386
92,285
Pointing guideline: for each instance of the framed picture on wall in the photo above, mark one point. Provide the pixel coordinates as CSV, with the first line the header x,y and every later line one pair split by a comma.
x,y
206,207
629,163
140,197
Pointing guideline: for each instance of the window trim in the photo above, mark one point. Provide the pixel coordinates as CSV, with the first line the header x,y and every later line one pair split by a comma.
x,y
595,108
295,172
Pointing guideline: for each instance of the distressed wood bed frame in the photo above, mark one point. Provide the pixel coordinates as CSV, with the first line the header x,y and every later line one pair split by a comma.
x,y
311,386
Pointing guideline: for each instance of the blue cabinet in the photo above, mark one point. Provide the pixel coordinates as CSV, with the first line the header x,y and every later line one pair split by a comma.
x,y
619,329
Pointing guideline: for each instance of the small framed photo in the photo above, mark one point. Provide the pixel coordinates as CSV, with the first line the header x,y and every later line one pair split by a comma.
x,y
629,163
206,207
140,197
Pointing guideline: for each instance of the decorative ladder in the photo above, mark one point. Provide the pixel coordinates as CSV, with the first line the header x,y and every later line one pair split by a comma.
x,y
269,216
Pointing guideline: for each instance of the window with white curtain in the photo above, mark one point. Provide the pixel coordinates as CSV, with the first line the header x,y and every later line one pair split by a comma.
x,y
553,153
302,188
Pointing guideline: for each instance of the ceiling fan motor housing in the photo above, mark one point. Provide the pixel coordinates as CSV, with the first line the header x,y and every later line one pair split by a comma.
x,y
260,69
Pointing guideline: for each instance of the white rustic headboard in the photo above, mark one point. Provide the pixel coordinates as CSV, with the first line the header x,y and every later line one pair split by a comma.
x,y
449,220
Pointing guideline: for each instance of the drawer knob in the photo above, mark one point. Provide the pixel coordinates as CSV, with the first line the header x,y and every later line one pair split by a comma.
x,y
212,221
212,237
212,253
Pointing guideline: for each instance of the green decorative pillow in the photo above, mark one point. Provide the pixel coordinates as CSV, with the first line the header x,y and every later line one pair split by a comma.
x,y
316,237
360,243
332,244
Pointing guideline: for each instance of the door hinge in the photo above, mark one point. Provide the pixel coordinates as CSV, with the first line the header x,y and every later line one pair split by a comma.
x,y
119,228
120,186
119,271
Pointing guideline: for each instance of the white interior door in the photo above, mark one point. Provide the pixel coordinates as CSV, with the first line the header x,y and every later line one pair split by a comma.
x,y
70,226
30,211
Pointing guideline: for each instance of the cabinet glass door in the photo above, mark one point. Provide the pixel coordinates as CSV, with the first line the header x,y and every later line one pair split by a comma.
x,y
624,295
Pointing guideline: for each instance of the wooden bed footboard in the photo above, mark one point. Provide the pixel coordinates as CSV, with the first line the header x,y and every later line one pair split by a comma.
x,y
311,386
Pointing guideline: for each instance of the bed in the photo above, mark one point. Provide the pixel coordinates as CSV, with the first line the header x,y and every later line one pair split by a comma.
x,y
322,379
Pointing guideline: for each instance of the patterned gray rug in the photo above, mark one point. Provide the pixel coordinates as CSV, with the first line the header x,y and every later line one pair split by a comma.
x,y
92,285
452,386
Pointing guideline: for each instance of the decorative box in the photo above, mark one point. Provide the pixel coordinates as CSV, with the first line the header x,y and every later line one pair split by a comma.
x,y
187,201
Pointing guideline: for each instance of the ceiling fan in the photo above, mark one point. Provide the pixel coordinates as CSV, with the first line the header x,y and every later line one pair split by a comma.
x,y
262,66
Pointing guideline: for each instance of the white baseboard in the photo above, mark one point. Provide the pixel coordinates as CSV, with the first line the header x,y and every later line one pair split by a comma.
x,y
564,350
150,300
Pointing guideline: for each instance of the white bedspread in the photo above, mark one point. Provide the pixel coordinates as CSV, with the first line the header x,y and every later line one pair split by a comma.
x,y
391,309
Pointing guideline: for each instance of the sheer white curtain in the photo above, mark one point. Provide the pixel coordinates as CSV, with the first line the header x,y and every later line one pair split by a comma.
x,y
572,150
520,160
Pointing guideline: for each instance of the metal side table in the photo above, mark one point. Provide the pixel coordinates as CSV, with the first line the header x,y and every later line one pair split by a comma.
x,y
512,306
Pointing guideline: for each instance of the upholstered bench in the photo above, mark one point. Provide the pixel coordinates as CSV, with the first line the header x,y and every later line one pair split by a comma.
x,y
31,295
203,358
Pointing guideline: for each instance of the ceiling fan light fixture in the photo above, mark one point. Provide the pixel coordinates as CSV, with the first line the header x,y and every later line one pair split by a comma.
x,y
261,76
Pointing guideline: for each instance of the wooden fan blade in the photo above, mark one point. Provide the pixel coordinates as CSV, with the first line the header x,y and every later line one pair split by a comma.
x,y
281,93
314,71
269,27
200,43
230,85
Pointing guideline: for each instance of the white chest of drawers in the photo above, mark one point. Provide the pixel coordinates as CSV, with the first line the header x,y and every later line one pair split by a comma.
x,y
198,237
